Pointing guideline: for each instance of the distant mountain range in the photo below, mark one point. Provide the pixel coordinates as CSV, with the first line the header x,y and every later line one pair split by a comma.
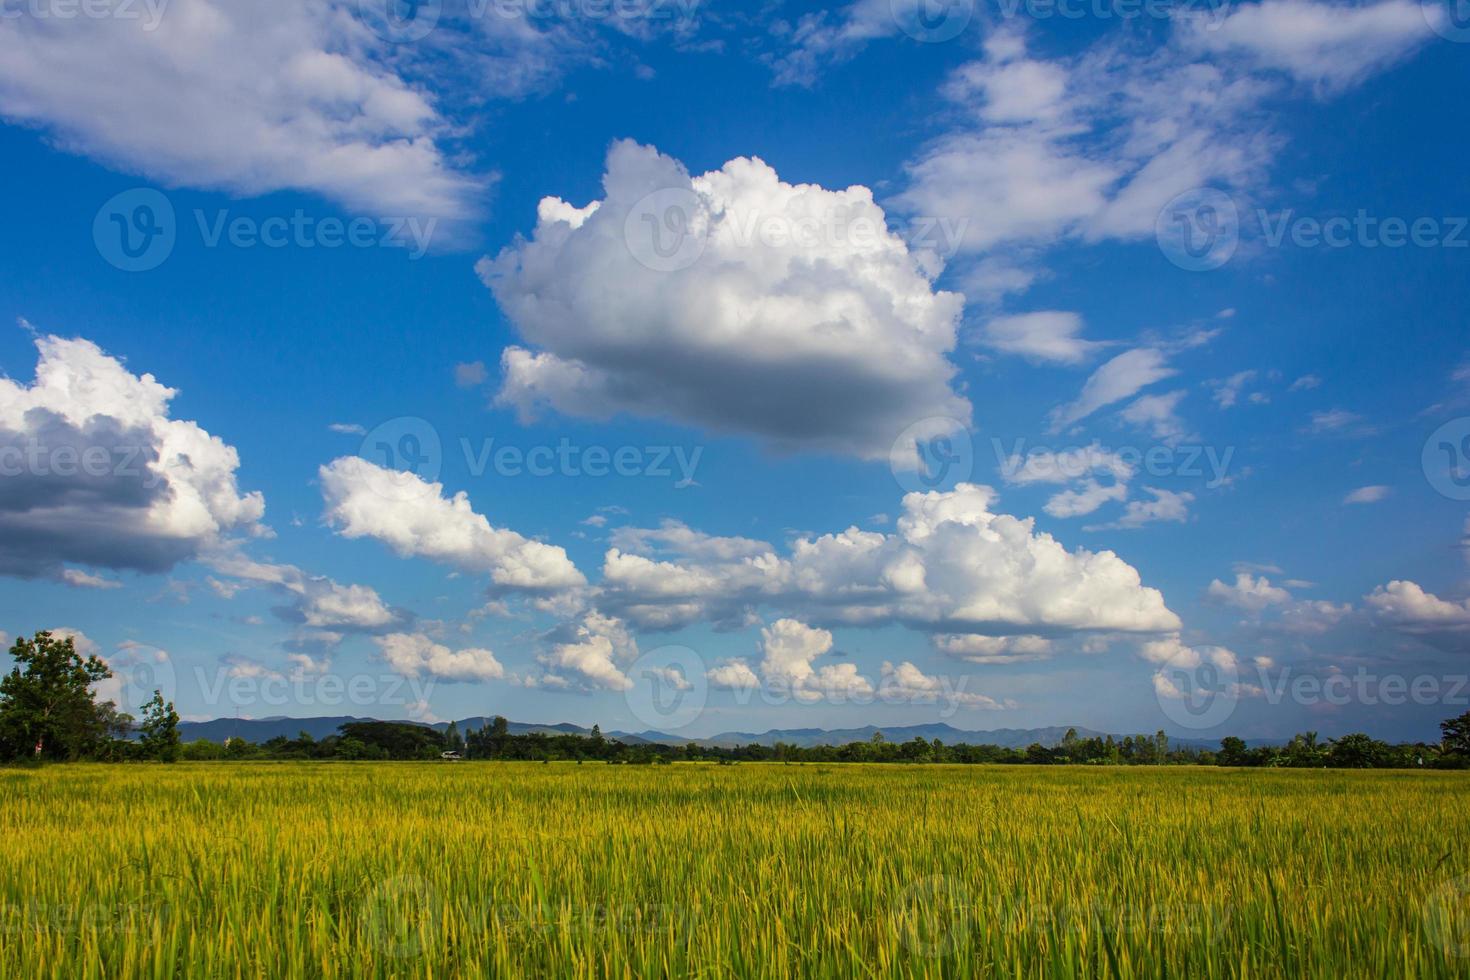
x,y
265,729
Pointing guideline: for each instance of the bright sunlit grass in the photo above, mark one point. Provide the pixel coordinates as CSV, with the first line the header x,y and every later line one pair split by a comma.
x,y
752,870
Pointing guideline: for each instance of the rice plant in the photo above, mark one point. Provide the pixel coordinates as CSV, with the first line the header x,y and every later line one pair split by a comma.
x,y
563,870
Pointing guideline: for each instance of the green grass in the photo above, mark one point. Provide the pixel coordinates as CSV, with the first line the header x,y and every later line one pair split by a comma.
x,y
424,870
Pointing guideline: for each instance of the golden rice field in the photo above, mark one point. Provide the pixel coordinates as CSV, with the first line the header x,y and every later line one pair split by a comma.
x,y
527,870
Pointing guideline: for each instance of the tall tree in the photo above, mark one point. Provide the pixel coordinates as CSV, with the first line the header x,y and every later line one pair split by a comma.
x,y
499,736
1232,751
160,738
1456,735
47,707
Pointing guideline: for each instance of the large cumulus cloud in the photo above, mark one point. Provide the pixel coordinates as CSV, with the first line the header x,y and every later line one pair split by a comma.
x,y
784,311
95,471
953,566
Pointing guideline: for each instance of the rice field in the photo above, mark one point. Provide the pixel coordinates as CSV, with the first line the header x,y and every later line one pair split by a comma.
x,y
528,870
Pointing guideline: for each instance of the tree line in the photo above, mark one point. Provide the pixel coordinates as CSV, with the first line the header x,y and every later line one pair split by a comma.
x,y
49,712
389,740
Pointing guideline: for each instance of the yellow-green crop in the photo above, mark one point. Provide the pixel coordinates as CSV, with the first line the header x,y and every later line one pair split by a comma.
x,y
526,870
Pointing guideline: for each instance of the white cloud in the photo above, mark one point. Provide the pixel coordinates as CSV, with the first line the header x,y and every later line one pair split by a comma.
x,y
906,682
824,38
952,565
1166,505
1329,45
1227,390
1333,421
1171,654
416,655
1091,146
138,669
1085,148
86,580
1159,415
588,656
325,608
1014,184
273,95
1248,592
802,321
1076,466
788,648
1314,615
1084,499
414,518
1048,335
1115,380
1406,606
81,642
1305,383
1367,495
99,475
994,649
1052,466
347,429
733,674
225,590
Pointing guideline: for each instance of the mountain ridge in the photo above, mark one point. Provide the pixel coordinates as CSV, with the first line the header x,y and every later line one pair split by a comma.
x,y
264,729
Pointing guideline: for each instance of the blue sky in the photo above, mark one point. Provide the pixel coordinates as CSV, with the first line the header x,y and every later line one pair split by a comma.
x,y
1203,465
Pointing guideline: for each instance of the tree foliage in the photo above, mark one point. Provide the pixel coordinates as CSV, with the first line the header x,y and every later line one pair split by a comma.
x,y
48,709
160,731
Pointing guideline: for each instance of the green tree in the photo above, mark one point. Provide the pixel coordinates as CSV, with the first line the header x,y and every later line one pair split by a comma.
x,y
47,707
395,739
1069,745
453,741
1303,751
499,736
1356,751
160,738
1232,751
1456,735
